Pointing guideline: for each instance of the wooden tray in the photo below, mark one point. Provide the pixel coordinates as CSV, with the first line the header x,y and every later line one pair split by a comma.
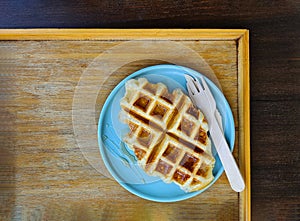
x,y
44,174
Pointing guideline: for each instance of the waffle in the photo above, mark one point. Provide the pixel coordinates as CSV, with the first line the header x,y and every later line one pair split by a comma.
x,y
167,134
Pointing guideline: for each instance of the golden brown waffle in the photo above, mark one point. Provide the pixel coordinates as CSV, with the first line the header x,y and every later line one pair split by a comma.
x,y
167,134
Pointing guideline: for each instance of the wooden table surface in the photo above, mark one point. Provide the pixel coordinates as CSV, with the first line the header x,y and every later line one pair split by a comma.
x,y
274,80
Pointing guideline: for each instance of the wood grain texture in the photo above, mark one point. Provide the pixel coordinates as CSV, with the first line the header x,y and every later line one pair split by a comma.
x,y
244,120
50,179
274,79
114,34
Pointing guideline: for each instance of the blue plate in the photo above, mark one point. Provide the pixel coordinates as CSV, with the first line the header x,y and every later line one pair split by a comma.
x,y
121,162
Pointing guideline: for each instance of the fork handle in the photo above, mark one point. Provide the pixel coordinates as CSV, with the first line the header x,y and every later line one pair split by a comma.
x,y
231,169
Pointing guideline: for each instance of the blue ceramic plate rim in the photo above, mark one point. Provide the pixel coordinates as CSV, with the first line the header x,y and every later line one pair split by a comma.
x,y
130,187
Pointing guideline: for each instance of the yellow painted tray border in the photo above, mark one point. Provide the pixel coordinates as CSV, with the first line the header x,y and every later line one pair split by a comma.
x,y
241,36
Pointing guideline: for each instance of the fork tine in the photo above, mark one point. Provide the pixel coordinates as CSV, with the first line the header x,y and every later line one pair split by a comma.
x,y
205,84
190,91
191,87
188,78
198,84
190,84
191,94
208,93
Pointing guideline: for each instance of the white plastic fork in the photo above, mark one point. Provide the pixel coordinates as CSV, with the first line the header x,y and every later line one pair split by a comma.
x,y
217,113
203,99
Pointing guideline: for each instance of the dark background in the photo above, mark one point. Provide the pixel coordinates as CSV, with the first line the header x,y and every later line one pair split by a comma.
x,y
274,72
